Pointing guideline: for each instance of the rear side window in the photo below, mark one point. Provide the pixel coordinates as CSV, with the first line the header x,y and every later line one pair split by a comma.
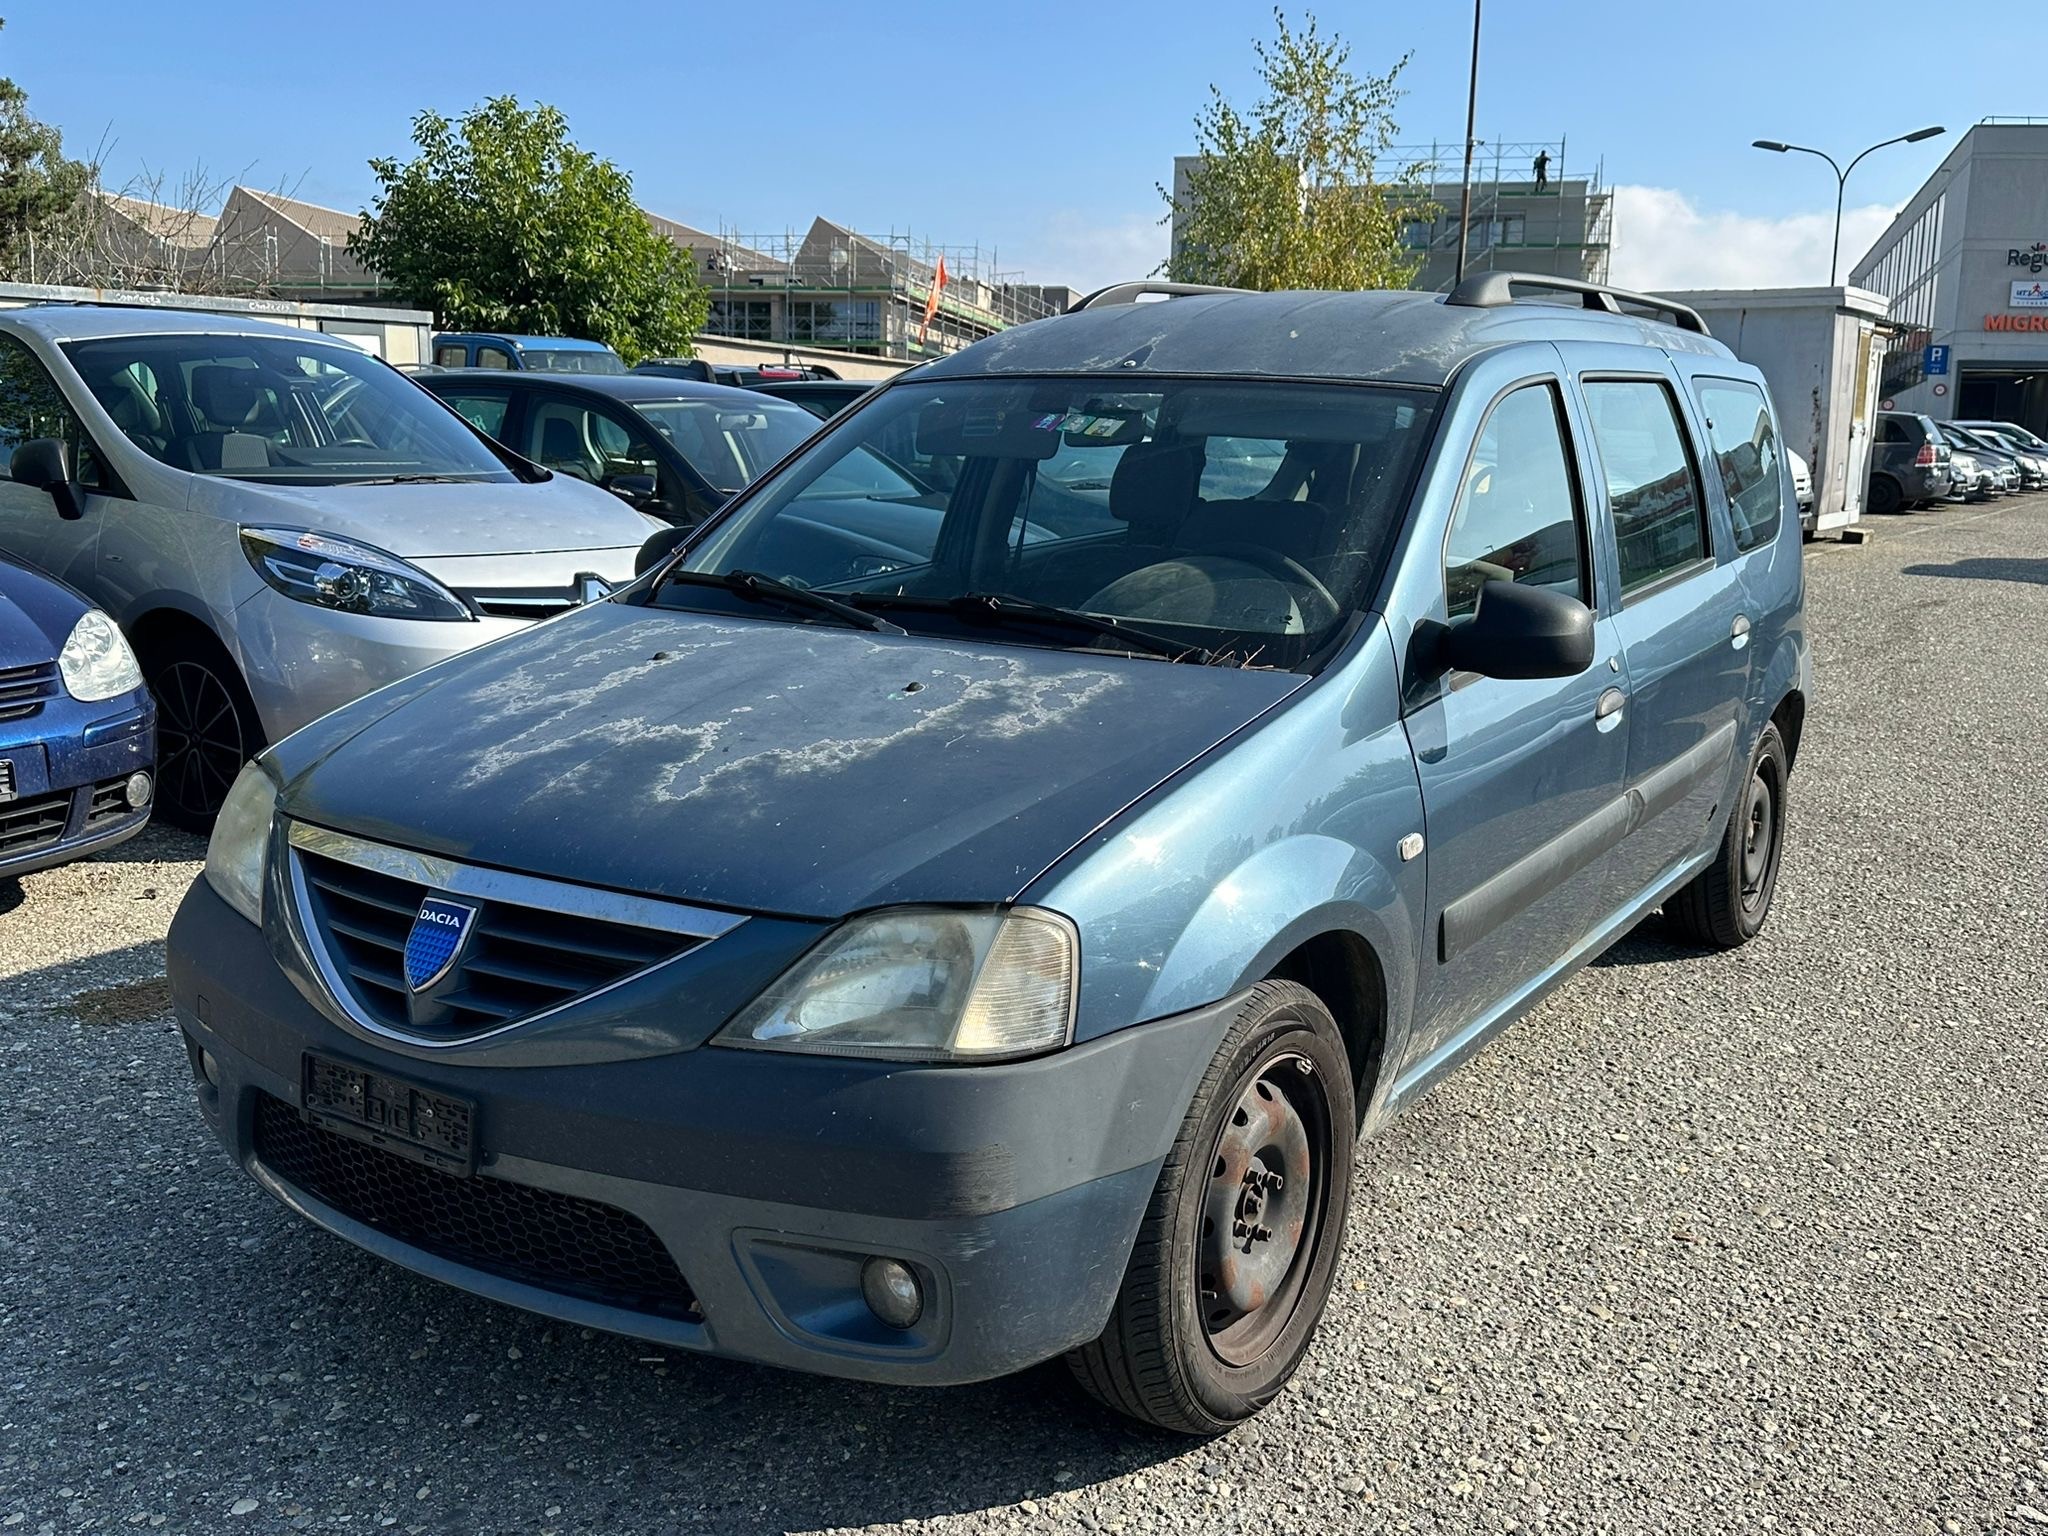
x,y
1652,491
1892,431
1746,449
493,357
484,412
1518,519
453,355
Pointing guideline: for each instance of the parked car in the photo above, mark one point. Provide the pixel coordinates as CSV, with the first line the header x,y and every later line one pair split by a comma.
x,y
1968,480
1802,492
2028,470
1909,463
823,398
540,354
2031,451
739,375
2019,436
916,970
279,521
77,728
2002,467
675,450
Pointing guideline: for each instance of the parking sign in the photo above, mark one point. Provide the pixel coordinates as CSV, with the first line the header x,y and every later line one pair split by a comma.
x,y
1936,362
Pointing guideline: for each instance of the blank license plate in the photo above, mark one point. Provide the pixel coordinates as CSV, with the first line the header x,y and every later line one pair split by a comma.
x,y
389,1112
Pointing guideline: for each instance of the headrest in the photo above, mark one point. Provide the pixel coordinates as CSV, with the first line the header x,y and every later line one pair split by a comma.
x,y
1153,488
226,396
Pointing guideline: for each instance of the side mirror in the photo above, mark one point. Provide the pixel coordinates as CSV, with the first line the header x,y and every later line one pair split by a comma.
x,y
660,544
1522,632
639,490
41,462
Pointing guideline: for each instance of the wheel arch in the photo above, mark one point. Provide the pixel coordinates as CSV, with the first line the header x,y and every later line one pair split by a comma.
x,y
1342,969
1790,719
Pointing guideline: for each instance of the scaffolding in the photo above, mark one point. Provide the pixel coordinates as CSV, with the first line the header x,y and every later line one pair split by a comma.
x,y
1564,228
831,286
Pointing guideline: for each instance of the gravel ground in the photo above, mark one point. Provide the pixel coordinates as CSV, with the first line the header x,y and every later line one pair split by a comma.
x,y
1743,1243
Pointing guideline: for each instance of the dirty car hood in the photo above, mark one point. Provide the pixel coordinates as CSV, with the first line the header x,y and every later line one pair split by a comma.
x,y
769,766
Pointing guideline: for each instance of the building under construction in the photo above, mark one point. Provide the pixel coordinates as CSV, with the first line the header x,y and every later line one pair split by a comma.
x,y
1533,210
834,287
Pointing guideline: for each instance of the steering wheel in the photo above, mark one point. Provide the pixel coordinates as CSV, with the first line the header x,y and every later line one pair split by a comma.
x,y
1285,570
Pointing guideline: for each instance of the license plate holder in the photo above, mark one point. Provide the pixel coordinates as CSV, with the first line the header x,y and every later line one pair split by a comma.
x,y
423,1124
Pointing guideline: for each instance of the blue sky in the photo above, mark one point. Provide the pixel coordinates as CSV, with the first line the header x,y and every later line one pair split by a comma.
x,y
1038,130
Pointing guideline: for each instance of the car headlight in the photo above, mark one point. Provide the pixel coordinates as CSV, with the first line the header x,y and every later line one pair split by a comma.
x,y
924,984
339,573
241,841
96,662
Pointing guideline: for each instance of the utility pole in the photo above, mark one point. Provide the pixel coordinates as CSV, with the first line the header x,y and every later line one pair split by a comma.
x,y
1471,124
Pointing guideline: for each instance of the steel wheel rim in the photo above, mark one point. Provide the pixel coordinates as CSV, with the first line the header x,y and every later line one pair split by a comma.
x,y
1262,1215
1760,836
200,745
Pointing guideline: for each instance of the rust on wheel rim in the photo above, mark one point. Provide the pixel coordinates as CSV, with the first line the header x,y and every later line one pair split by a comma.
x,y
1262,1212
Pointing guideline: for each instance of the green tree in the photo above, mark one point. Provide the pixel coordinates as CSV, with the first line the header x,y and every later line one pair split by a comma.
x,y
502,224
1286,195
40,187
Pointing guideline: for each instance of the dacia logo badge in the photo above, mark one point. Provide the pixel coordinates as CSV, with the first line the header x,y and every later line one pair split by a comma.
x,y
439,933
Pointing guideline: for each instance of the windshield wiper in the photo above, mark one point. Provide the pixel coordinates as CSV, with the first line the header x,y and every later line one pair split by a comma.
x,y
417,479
766,589
1001,608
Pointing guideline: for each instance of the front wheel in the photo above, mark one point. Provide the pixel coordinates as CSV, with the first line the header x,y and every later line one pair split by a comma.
x,y
1232,1267
1727,902
206,728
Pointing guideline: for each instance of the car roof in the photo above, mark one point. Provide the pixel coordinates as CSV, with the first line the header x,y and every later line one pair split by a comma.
x,y
87,322
628,387
525,342
1397,337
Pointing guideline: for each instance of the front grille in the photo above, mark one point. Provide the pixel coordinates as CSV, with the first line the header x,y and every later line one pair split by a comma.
x,y
524,603
521,960
27,825
556,1242
109,803
24,690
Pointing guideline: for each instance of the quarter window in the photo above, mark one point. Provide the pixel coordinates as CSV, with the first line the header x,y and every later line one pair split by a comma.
x,y
1652,491
1518,518
1746,448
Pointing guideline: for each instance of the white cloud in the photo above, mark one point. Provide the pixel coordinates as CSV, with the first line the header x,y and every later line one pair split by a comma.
x,y
1663,240
1068,248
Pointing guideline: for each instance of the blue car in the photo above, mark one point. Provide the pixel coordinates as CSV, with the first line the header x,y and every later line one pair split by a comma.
x,y
916,960
77,728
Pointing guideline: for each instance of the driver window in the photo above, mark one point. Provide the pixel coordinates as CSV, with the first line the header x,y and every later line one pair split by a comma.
x,y
1519,517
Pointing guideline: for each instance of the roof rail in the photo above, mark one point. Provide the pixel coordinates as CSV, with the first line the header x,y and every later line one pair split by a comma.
x,y
1491,290
1130,293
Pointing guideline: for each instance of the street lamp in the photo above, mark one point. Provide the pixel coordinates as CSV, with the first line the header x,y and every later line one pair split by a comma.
x,y
1842,177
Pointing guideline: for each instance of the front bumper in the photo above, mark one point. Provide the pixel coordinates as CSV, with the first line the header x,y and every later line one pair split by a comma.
x,y
61,762
1014,1191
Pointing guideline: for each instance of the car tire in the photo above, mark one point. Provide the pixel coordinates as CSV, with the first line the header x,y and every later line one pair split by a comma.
x,y
1726,903
1265,1149
206,728
1886,495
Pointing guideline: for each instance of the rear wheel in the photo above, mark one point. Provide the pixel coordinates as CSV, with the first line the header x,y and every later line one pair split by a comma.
x,y
1233,1264
1886,496
206,729
1727,902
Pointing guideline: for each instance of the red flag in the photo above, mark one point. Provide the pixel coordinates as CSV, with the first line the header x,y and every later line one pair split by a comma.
x,y
931,303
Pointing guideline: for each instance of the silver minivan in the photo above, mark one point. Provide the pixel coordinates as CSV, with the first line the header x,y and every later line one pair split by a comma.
x,y
280,521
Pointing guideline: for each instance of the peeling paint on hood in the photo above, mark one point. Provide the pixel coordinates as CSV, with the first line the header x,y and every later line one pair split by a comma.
x,y
770,766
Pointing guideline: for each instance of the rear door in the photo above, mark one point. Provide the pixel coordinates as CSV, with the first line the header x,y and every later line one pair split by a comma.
x,y
1683,622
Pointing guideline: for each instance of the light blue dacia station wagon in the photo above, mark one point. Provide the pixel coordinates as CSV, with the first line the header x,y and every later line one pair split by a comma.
x,y
963,906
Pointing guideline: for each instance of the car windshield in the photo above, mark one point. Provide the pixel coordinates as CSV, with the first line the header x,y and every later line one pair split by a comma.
x,y
571,359
730,446
1240,522
276,409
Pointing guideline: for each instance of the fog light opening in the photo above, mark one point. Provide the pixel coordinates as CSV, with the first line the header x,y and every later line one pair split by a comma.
x,y
209,1067
892,1293
139,790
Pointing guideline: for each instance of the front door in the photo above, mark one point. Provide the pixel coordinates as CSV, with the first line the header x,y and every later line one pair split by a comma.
x,y
31,406
1522,781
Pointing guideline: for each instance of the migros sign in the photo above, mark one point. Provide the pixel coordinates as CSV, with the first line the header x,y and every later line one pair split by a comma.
x,y
2035,322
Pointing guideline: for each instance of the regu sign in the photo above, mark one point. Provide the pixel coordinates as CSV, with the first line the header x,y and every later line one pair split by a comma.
x,y
2034,258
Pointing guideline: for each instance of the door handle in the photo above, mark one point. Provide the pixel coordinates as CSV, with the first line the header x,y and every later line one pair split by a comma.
x,y
1738,632
1607,713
